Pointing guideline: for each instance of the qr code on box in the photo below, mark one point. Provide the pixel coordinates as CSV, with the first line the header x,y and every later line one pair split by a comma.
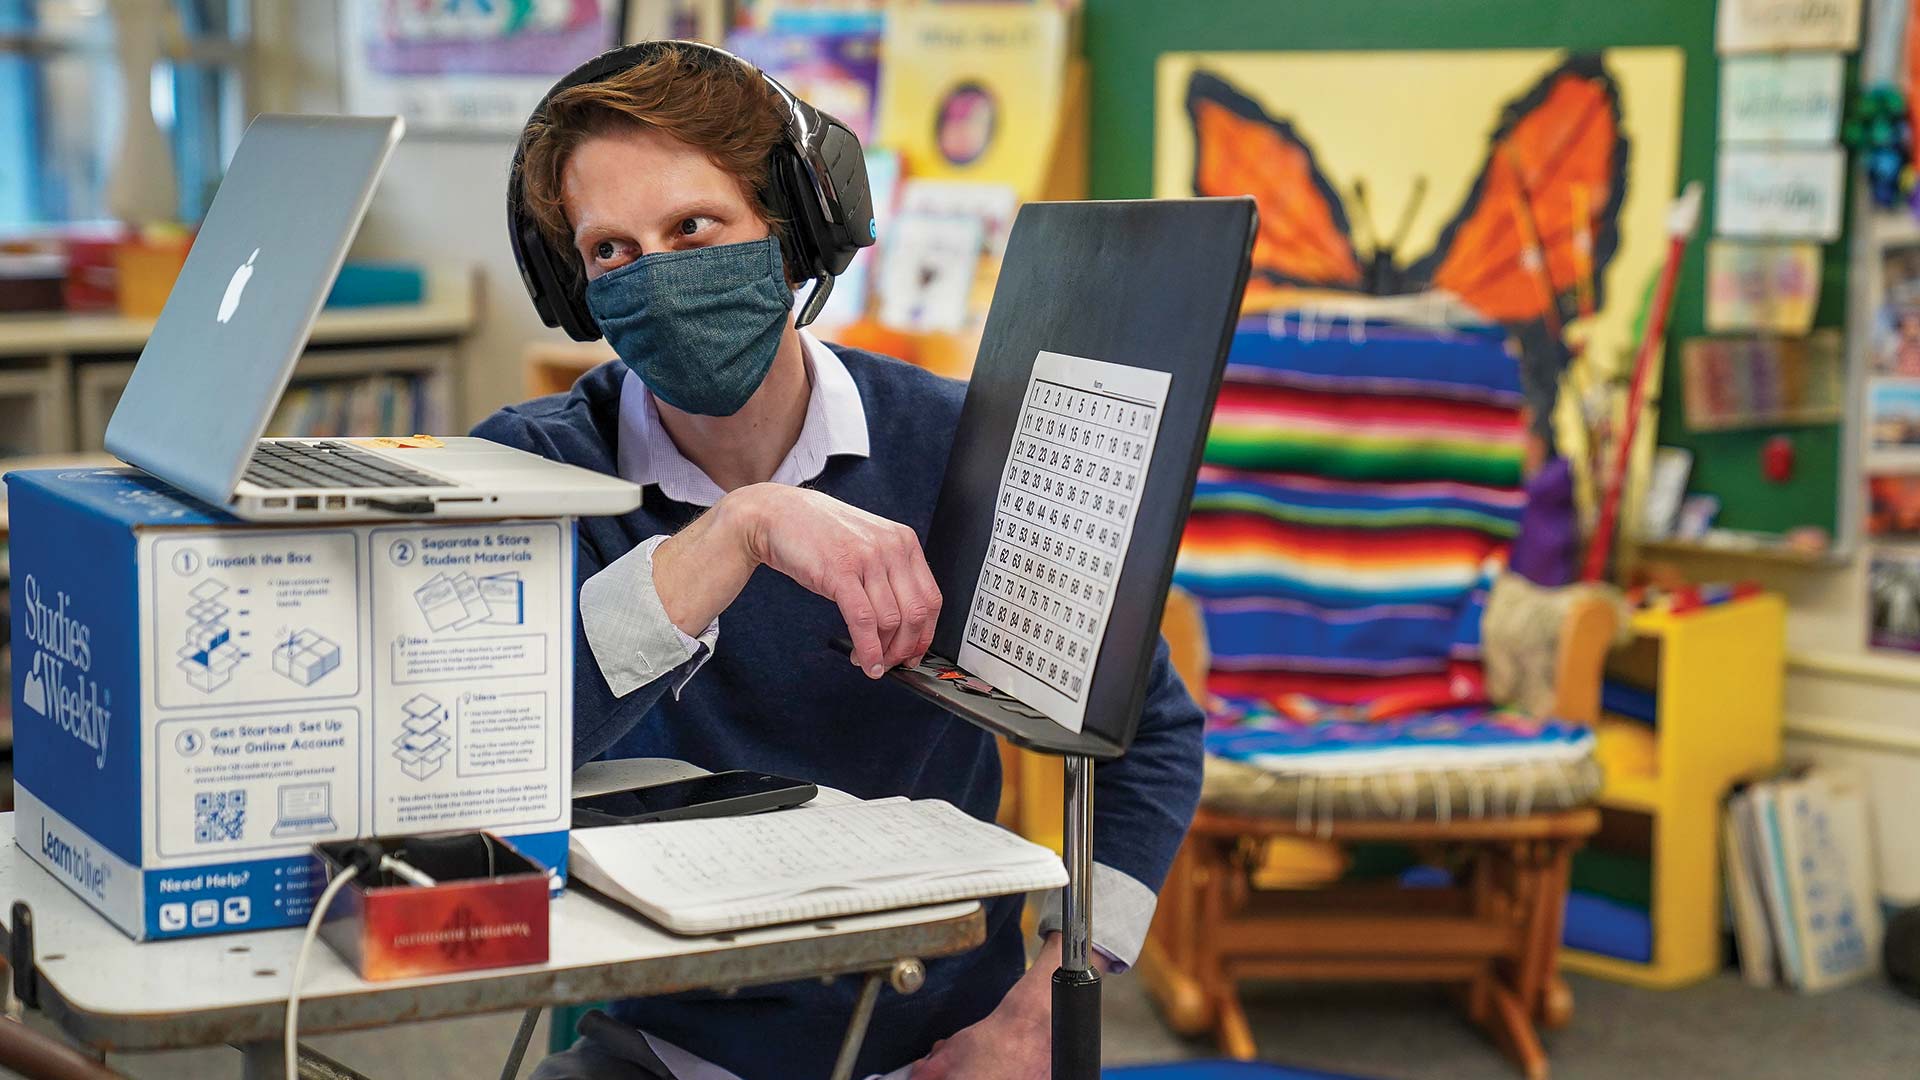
x,y
219,815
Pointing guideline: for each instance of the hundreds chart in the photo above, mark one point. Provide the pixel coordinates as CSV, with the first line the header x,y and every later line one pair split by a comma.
x,y
1062,523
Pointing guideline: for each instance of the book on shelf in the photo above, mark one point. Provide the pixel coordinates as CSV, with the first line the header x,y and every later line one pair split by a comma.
x,y
369,405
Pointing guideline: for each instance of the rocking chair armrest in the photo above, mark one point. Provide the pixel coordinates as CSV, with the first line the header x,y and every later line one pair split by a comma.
x,y
1586,635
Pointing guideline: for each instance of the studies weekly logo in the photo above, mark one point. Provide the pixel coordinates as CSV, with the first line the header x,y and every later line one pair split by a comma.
x,y
58,684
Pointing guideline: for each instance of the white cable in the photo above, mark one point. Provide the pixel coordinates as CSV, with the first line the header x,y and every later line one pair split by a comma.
x,y
406,872
300,967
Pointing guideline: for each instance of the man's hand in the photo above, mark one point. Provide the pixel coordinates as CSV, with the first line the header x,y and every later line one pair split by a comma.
x,y
870,567
1015,1041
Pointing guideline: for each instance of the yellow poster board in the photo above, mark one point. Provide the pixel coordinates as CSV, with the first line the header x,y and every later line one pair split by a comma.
x,y
1394,119
986,93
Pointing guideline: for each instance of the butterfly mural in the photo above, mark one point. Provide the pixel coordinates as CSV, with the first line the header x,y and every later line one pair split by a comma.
x,y
1528,247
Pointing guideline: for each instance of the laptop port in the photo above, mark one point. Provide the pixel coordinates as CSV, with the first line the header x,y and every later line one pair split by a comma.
x,y
274,502
336,502
306,502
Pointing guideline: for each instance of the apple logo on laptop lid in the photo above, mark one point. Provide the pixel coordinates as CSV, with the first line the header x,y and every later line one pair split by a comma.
x,y
235,287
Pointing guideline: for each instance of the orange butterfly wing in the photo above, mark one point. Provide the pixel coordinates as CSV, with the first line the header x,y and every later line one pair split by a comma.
x,y
1542,219
1303,237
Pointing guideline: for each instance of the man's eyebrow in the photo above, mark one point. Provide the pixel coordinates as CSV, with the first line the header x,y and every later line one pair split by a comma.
x,y
694,207
588,233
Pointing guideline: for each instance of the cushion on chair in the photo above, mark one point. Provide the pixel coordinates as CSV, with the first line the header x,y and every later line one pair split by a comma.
x,y
1465,762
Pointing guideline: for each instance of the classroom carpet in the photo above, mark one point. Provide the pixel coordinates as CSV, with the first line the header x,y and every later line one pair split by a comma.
x,y
1719,1028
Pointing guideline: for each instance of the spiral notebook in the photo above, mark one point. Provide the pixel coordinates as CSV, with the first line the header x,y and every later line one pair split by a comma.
x,y
718,874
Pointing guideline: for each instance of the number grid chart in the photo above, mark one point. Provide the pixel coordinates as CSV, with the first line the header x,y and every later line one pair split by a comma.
x,y
1063,518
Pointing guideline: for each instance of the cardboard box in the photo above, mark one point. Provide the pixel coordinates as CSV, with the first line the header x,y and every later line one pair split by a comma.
x,y
197,701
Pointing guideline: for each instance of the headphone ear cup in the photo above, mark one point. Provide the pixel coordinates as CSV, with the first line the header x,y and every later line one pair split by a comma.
x,y
846,168
558,293
794,200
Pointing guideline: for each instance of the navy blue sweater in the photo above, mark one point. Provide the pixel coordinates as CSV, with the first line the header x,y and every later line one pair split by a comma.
x,y
776,697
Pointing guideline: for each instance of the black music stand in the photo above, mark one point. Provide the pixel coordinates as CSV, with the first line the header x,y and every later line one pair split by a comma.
x,y
1152,284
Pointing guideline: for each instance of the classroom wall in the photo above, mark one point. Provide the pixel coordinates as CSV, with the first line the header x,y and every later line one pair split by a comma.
x,y
441,199
1843,703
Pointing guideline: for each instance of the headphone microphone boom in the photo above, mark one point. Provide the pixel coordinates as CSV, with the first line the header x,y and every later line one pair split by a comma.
x,y
817,182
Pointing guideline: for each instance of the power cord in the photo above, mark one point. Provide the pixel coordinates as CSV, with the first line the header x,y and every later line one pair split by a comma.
x,y
358,858
300,965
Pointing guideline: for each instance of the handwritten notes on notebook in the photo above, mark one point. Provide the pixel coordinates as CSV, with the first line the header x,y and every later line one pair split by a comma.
x,y
711,875
1063,518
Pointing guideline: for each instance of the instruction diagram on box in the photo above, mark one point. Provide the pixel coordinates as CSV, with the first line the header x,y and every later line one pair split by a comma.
x,y
254,780
462,600
253,618
473,634
210,653
304,657
423,743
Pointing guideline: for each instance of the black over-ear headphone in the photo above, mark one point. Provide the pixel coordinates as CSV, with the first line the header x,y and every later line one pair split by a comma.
x,y
817,184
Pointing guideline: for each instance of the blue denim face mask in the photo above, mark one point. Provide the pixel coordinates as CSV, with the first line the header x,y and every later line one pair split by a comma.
x,y
699,327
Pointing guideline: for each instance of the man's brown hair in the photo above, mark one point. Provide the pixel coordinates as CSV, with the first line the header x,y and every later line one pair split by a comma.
x,y
714,104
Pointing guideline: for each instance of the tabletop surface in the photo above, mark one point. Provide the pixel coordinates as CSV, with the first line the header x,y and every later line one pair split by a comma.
x,y
114,993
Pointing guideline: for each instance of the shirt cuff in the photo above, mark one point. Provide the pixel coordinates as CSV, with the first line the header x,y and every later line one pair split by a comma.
x,y
1122,911
627,627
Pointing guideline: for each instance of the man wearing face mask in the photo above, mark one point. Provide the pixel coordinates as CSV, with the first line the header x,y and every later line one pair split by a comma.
x,y
669,197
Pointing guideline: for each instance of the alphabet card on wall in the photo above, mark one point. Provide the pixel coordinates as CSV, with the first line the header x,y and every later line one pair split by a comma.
x,y
1790,97
1768,25
1780,192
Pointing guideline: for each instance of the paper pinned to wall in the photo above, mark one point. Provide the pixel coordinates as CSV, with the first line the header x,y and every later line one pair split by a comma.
x,y
1780,192
1791,98
1762,286
1766,25
1746,382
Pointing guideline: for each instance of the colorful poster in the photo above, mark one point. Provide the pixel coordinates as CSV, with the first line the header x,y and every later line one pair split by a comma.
x,y
1893,601
1893,421
1780,192
1762,286
1393,173
1893,506
837,73
981,94
1770,25
1785,97
466,67
1746,382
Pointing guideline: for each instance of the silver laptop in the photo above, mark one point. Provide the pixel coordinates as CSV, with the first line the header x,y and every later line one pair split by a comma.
x,y
236,323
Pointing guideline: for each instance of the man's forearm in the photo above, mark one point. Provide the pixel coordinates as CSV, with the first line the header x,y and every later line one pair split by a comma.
x,y
698,571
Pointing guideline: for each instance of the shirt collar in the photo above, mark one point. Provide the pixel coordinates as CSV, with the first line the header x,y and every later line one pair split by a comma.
x,y
836,423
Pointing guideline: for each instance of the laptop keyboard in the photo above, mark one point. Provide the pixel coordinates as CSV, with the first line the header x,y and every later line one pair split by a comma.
x,y
327,464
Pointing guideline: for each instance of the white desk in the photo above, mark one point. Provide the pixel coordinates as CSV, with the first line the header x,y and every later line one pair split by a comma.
x,y
111,993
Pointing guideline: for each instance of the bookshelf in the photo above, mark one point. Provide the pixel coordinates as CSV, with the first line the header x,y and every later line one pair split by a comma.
x,y
62,374
35,412
1717,674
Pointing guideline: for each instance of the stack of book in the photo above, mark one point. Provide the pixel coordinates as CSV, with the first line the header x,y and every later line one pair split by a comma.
x,y
373,405
1800,880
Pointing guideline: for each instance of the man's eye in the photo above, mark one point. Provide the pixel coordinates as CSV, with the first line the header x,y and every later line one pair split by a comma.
x,y
605,249
692,226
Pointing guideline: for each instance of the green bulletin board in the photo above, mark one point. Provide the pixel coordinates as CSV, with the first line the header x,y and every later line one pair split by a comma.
x,y
1125,37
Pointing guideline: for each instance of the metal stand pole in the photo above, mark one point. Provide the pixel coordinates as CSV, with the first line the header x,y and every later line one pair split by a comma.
x,y
1076,984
